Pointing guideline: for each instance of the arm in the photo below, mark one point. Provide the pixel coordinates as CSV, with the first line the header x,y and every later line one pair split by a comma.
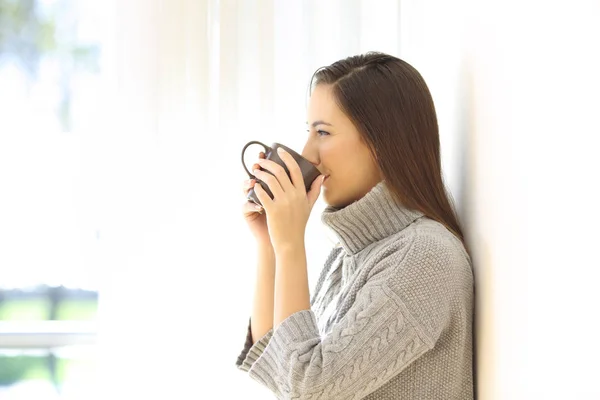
x,y
374,341
253,348
291,283
381,334
260,325
262,306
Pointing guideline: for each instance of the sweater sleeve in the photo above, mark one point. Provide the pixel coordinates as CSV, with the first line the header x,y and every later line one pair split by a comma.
x,y
251,352
376,339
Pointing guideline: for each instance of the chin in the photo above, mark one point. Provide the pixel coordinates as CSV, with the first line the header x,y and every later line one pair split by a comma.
x,y
333,202
327,198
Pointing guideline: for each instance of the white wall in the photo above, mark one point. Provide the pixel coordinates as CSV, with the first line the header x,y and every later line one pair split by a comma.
x,y
517,91
533,95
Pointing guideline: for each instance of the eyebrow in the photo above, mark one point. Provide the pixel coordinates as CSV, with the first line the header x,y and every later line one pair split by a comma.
x,y
314,124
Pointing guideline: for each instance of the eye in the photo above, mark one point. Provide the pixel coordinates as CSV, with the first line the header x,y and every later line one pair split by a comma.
x,y
320,133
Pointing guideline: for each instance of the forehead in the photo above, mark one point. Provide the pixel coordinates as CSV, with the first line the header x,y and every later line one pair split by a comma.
x,y
322,105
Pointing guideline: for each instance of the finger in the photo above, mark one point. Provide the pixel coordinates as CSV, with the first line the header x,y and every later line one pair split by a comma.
x,y
263,197
315,190
247,185
293,167
261,155
271,182
250,207
279,172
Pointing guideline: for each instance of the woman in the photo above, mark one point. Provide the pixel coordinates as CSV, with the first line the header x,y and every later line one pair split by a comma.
x,y
391,314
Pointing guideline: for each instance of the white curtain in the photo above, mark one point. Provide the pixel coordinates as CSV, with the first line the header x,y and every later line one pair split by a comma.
x,y
195,80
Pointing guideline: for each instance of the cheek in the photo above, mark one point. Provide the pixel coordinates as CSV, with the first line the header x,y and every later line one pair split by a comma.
x,y
343,159
329,156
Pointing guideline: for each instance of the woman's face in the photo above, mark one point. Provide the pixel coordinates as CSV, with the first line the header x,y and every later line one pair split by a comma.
x,y
334,146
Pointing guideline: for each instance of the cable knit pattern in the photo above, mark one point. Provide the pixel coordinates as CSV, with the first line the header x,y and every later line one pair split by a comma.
x,y
390,318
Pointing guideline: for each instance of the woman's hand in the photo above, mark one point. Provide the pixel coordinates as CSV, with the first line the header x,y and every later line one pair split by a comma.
x,y
288,211
254,215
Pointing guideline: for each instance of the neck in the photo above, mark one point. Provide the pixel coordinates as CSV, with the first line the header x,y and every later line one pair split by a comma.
x,y
374,217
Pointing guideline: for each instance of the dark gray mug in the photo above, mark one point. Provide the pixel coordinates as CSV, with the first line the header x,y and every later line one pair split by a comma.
x,y
309,171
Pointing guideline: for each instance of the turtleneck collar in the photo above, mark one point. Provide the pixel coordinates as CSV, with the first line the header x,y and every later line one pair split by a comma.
x,y
371,218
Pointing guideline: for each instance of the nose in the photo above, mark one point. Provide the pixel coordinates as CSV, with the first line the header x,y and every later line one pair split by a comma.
x,y
310,153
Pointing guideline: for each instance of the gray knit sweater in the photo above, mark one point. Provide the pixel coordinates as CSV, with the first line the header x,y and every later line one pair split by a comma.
x,y
391,315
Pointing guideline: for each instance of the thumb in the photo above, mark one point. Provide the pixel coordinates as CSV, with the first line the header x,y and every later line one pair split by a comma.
x,y
315,190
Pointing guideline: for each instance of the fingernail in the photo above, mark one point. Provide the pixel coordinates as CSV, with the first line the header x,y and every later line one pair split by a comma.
x,y
280,150
257,207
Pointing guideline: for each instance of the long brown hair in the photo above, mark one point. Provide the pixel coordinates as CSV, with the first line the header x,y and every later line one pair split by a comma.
x,y
391,106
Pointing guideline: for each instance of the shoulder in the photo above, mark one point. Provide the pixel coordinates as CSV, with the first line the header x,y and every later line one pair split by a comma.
x,y
433,277
425,236
431,238
425,247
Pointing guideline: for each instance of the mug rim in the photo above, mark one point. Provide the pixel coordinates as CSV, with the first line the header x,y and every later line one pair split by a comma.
x,y
274,146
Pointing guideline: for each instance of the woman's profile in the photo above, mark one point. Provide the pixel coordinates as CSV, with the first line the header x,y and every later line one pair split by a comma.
x,y
392,312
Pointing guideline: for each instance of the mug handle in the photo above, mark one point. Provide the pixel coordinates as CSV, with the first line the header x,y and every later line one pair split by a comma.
x,y
267,149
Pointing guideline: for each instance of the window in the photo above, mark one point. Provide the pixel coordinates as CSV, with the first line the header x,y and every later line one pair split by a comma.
x,y
50,75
